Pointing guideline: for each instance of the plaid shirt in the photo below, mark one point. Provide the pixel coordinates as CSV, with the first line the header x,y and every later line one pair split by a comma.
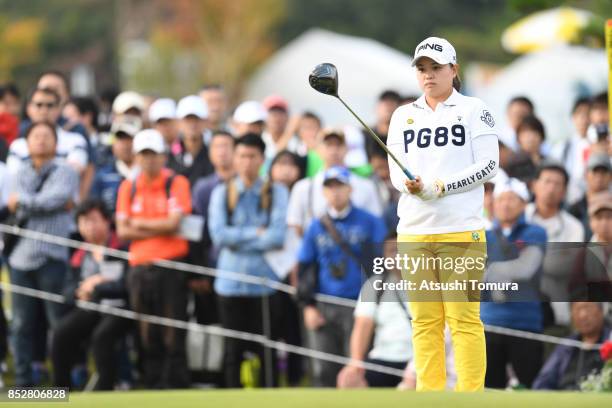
x,y
45,211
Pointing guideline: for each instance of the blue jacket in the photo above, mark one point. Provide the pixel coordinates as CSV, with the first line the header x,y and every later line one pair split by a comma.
x,y
242,248
557,364
364,232
204,253
522,310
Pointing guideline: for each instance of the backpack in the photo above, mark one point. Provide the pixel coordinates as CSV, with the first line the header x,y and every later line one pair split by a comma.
x,y
167,188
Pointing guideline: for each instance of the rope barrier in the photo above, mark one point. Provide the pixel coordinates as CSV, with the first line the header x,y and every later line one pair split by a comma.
x,y
545,338
205,271
191,326
180,266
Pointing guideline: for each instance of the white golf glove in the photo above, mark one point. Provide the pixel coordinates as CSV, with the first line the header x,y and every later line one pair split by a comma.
x,y
431,190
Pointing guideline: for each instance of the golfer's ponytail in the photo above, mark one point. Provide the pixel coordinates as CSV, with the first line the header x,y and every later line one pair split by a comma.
x,y
457,83
456,80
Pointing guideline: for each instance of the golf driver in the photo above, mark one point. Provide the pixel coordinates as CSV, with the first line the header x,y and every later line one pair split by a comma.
x,y
324,78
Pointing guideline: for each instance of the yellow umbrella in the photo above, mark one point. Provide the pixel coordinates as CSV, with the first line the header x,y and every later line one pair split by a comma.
x,y
544,29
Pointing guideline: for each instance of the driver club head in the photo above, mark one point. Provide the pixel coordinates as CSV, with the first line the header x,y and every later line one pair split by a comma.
x,y
324,78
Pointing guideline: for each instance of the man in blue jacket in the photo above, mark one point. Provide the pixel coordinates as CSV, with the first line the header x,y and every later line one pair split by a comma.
x,y
567,366
246,218
515,254
333,251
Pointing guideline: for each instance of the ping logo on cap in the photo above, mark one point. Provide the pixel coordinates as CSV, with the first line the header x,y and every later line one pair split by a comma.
x,y
438,49
435,47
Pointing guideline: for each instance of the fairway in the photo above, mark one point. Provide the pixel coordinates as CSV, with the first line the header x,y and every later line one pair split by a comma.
x,y
311,398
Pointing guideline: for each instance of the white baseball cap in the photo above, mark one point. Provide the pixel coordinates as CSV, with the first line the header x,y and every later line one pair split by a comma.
x,y
128,100
128,124
149,139
513,185
250,112
162,108
191,105
438,49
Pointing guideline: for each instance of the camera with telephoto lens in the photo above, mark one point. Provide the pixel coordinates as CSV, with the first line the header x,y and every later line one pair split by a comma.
x,y
602,131
597,132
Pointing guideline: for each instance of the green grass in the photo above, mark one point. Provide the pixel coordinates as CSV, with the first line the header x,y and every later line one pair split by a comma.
x,y
316,398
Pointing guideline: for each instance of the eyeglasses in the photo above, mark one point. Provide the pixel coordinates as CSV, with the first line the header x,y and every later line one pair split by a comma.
x,y
48,105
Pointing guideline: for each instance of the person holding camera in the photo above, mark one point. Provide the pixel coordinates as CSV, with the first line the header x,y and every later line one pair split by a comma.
x,y
333,251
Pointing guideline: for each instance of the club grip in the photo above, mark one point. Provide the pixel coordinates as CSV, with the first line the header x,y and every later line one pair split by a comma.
x,y
408,174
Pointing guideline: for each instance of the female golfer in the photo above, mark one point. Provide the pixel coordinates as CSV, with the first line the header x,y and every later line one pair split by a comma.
x,y
449,142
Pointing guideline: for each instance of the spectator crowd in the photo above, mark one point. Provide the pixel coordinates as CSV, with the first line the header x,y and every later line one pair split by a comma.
x,y
274,194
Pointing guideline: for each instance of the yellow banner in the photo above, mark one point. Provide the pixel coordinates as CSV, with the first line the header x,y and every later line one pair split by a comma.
x,y
609,53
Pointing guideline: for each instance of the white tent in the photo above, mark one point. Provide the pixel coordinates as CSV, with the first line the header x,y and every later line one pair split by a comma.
x,y
552,79
365,69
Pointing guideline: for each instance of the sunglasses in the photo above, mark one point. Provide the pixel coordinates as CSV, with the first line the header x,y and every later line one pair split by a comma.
x,y
48,105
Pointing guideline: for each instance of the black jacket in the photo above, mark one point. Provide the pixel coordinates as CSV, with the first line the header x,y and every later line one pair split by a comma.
x,y
201,166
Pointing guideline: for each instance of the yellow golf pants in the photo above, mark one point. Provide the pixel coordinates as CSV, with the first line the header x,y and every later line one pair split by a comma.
x,y
459,308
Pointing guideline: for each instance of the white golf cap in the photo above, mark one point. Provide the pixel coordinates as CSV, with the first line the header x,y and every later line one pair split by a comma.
x,y
128,100
149,139
438,49
128,124
191,105
250,112
513,185
162,108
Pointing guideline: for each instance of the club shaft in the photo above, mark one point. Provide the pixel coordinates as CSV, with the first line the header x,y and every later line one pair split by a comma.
x,y
379,141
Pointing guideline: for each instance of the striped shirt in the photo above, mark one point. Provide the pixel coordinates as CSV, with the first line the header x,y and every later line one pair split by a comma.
x,y
45,211
71,148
